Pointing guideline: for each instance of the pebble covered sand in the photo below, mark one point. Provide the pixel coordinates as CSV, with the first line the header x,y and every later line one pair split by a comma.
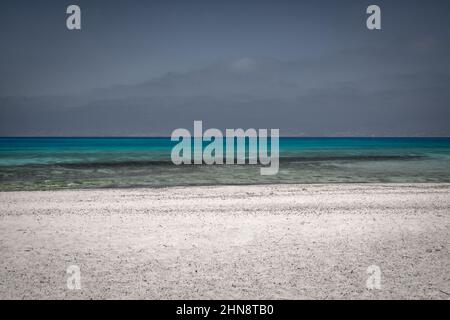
x,y
228,242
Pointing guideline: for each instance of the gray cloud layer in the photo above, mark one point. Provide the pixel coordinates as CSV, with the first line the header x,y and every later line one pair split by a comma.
x,y
394,82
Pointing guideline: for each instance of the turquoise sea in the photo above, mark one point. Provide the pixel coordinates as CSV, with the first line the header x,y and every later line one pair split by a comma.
x,y
60,163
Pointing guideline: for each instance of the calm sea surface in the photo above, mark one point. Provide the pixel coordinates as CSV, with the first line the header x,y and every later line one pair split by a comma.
x,y
60,163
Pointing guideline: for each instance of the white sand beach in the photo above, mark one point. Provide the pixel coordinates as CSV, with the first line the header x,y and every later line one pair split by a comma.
x,y
228,242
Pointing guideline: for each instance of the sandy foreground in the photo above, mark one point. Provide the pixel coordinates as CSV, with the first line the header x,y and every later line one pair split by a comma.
x,y
246,242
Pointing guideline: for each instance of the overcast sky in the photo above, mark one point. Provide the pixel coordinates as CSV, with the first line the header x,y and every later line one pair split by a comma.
x,y
308,59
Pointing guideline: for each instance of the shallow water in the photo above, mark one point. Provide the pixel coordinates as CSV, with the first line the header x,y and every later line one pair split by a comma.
x,y
60,163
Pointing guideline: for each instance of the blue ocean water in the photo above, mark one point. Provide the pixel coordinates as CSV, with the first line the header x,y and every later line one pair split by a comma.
x,y
59,163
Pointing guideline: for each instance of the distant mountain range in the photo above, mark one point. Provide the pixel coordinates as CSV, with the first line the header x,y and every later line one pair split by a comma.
x,y
343,97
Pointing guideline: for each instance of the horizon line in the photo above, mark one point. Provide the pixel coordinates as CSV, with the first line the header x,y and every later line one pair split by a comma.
x,y
168,137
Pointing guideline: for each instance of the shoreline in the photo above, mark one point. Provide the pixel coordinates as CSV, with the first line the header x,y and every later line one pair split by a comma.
x,y
283,241
207,186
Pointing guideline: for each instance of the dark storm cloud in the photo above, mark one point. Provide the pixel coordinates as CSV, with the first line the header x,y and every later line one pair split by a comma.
x,y
145,68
